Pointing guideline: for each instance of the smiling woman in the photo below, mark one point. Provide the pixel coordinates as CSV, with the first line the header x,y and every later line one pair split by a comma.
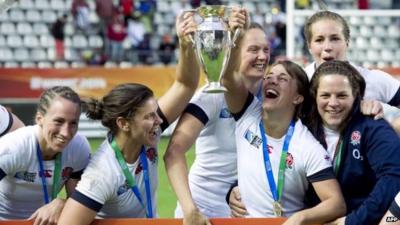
x,y
364,151
37,161
121,179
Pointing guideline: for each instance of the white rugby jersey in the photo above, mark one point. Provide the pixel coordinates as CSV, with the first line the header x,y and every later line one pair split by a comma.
x,y
5,119
21,191
306,157
103,182
214,169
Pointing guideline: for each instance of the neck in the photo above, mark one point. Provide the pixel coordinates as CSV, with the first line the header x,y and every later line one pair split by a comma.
x,y
129,149
252,84
276,124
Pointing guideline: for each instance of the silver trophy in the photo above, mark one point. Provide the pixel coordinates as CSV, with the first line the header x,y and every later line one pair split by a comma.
x,y
6,4
213,42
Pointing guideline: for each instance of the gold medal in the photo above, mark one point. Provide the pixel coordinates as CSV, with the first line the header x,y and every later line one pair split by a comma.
x,y
277,208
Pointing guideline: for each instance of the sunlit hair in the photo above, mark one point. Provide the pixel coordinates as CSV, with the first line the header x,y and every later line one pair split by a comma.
x,y
48,96
302,83
357,84
325,15
122,101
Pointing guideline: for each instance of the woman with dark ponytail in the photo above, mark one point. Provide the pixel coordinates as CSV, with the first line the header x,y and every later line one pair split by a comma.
x,y
121,180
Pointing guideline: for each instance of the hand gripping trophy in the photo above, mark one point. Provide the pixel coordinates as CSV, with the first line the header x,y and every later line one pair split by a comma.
x,y
213,42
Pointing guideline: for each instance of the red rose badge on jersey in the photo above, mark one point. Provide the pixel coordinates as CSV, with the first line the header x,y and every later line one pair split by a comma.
x,y
289,161
152,155
355,138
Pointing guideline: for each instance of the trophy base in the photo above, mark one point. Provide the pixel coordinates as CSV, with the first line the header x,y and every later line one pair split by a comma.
x,y
214,88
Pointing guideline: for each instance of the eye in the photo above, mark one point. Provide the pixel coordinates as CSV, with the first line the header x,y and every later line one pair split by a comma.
x,y
318,40
283,79
324,96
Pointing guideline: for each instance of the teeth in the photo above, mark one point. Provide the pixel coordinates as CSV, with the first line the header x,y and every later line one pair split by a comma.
x,y
62,140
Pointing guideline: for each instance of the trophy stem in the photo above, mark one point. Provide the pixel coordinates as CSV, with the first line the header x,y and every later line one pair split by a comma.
x,y
214,88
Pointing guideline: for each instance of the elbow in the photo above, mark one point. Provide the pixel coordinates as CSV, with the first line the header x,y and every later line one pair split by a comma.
x,y
170,154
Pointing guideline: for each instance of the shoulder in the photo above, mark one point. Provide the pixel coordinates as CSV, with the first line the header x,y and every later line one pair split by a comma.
x,y
5,119
21,137
375,75
79,143
371,130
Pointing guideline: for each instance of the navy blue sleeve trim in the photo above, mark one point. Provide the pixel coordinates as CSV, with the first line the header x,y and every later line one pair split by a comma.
x,y
165,123
230,190
76,175
2,174
86,201
197,112
249,99
322,175
395,101
395,209
10,123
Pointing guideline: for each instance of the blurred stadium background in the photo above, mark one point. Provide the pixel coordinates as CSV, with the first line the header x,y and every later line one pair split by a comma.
x,y
29,61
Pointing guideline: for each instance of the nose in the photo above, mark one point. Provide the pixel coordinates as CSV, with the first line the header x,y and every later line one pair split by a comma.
x,y
158,120
261,55
333,101
66,130
327,45
271,79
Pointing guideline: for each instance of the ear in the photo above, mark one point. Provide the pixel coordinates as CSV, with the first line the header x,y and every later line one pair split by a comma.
x,y
39,118
123,124
298,99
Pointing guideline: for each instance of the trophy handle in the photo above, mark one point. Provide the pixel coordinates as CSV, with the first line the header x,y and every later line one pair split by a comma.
x,y
191,38
237,30
235,37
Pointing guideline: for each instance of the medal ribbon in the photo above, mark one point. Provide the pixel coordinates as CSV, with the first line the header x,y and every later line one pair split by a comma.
x,y
337,157
276,194
56,174
131,180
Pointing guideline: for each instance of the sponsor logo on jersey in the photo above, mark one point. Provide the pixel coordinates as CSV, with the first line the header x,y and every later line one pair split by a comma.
x,y
123,188
26,176
225,113
355,138
252,138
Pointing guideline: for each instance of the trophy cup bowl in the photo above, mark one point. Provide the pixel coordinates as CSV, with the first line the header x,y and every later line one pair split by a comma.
x,y
212,41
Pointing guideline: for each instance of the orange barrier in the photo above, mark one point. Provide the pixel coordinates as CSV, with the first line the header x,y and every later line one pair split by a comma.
x,y
16,83
230,221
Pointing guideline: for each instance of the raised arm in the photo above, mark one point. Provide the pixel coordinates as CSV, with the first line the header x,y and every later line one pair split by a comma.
x,y
174,101
184,136
237,92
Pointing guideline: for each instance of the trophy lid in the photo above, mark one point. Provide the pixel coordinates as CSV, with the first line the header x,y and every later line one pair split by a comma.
x,y
212,10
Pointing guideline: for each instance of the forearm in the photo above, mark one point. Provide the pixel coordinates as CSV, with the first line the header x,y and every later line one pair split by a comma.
x,y
188,70
327,210
177,172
